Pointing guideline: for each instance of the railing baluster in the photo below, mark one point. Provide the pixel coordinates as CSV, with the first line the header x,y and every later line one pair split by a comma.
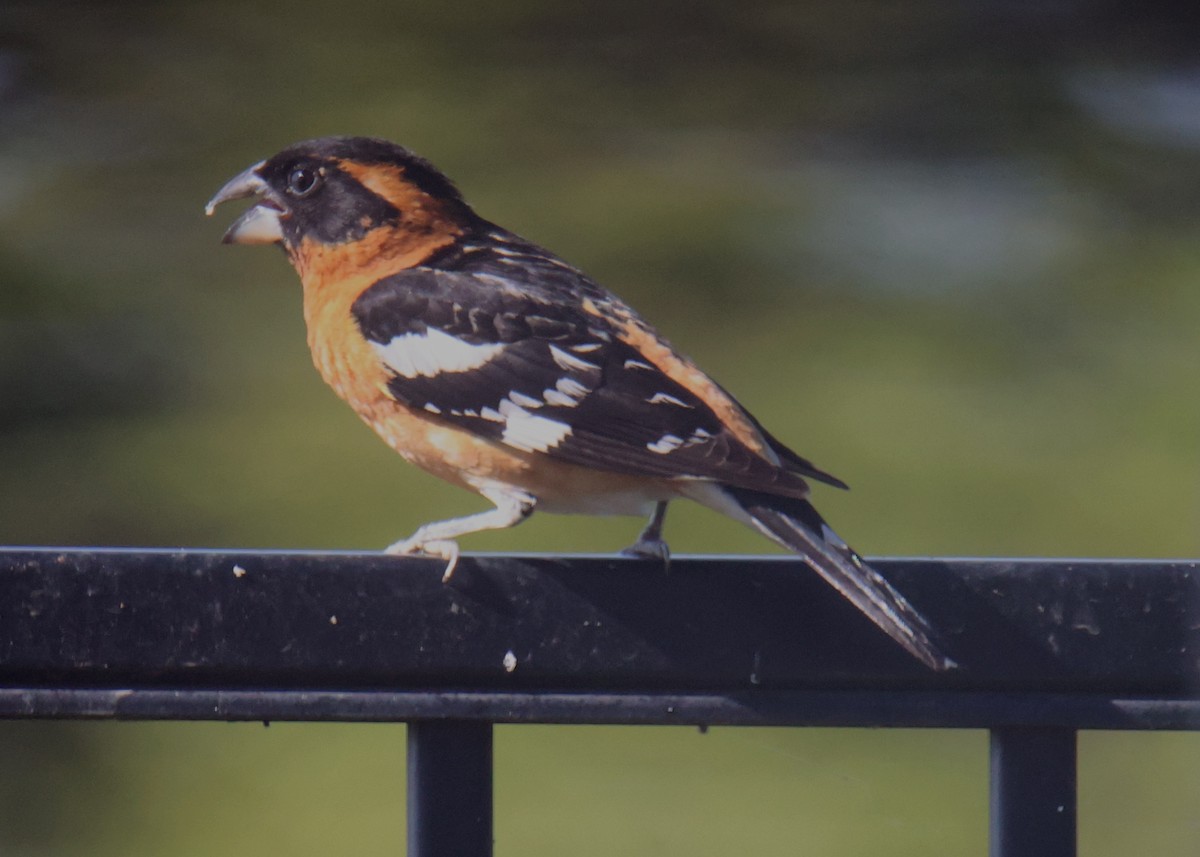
x,y
1032,792
449,788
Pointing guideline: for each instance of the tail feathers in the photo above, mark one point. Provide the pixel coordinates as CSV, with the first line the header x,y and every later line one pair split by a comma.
x,y
796,525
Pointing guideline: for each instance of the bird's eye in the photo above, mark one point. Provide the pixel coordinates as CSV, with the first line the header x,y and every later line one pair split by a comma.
x,y
303,180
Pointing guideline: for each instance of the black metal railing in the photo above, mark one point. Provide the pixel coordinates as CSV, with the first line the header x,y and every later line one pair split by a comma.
x,y
1046,647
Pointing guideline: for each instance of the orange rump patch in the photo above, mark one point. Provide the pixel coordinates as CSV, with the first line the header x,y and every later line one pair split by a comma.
x,y
648,343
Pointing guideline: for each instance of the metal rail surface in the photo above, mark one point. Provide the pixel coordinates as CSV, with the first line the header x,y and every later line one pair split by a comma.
x,y
1045,647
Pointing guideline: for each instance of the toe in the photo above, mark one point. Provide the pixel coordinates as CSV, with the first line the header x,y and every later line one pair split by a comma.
x,y
656,550
402,547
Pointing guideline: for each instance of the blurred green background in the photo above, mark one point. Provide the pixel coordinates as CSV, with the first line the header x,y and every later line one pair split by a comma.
x,y
949,251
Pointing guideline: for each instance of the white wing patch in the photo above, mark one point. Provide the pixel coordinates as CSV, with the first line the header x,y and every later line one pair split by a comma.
x,y
553,397
671,442
666,443
519,398
667,399
429,354
528,432
567,393
569,361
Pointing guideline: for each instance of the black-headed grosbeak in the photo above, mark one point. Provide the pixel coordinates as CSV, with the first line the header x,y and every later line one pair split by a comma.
x,y
494,364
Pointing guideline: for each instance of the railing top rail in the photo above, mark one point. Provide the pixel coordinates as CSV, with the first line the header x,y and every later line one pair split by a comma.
x,y
342,636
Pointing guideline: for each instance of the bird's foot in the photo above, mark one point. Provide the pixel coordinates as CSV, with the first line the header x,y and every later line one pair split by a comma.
x,y
437,548
650,549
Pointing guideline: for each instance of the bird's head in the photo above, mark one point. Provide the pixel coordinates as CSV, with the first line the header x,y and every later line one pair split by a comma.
x,y
347,195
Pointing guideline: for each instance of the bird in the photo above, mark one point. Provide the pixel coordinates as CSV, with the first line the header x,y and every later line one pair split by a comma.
x,y
494,364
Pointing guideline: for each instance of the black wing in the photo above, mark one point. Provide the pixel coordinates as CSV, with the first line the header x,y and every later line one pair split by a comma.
x,y
529,368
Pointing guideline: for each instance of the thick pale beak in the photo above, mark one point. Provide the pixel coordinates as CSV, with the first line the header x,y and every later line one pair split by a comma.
x,y
260,223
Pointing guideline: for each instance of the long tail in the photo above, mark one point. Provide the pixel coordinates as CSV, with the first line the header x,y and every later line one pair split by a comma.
x,y
796,525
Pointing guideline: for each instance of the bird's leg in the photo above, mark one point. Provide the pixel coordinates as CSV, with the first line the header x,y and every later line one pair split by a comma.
x,y
650,543
438,538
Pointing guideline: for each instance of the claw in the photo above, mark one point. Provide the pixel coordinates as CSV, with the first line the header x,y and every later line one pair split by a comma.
x,y
451,561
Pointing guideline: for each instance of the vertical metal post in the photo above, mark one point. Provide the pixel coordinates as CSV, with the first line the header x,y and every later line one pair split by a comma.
x,y
449,789
1032,792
